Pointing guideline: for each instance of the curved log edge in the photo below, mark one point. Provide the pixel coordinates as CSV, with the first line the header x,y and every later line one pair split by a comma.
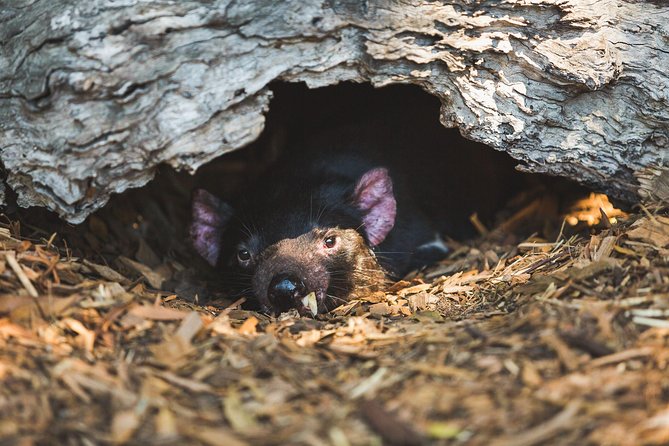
x,y
94,95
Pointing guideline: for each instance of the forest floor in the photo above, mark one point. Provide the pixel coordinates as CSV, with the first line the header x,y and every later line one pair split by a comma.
x,y
506,342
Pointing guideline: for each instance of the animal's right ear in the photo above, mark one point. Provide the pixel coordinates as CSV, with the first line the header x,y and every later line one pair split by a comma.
x,y
210,216
375,199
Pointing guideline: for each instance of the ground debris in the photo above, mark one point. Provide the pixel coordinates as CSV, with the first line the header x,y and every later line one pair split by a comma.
x,y
563,341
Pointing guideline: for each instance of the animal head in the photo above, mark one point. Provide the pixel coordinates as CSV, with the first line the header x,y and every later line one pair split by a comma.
x,y
307,246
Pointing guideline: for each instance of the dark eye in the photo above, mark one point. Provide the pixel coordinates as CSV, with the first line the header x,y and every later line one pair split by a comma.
x,y
243,255
330,242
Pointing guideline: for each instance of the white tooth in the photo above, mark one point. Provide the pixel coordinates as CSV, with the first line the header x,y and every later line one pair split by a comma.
x,y
312,303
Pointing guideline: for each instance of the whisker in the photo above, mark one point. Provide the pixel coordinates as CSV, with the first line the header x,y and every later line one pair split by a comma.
x,y
336,298
356,271
323,208
311,206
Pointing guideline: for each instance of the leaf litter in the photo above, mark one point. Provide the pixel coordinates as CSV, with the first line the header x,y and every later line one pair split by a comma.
x,y
506,342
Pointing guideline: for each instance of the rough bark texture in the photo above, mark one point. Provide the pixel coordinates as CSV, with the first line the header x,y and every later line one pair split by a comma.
x,y
94,95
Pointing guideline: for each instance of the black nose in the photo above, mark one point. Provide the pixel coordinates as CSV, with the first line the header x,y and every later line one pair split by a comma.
x,y
284,289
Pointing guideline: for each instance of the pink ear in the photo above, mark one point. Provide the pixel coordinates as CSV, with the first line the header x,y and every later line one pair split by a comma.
x,y
373,195
210,215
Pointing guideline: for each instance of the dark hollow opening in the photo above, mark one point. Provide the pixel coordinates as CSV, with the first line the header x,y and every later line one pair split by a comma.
x,y
452,178
449,177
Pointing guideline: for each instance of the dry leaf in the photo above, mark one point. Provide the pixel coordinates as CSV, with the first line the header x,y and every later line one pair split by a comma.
x,y
157,313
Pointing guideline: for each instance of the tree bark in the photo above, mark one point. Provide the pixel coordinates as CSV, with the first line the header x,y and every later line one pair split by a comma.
x,y
94,95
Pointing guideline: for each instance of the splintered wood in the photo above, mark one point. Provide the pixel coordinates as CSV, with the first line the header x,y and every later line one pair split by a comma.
x,y
539,341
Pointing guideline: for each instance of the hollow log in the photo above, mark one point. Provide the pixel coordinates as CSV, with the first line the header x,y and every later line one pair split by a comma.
x,y
95,95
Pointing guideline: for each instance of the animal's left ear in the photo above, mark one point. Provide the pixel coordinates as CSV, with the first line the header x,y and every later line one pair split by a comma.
x,y
373,195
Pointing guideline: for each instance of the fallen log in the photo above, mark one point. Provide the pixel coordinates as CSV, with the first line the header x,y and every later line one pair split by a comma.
x,y
95,95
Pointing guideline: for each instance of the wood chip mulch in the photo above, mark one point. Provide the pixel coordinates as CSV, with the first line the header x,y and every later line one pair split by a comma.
x,y
542,341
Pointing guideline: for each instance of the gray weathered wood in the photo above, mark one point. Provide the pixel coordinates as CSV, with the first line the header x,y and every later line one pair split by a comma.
x,y
94,95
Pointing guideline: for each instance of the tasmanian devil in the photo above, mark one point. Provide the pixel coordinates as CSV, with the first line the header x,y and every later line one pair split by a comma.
x,y
316,230
349,204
